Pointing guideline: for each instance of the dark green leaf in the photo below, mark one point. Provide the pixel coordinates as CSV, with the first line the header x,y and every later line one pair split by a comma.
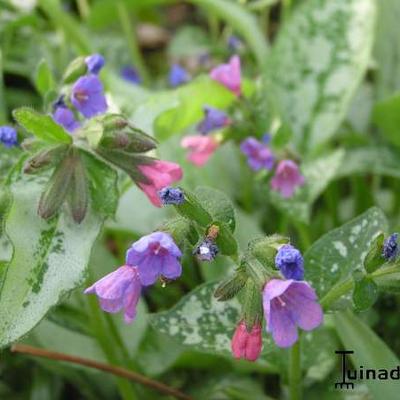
x,y
365,294
374,258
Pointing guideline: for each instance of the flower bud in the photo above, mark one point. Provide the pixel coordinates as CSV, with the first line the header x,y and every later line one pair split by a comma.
x,y
231,287
75,69
44,159
247,344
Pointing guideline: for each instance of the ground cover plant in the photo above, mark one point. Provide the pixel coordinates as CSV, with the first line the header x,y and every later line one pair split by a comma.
x,y
199,199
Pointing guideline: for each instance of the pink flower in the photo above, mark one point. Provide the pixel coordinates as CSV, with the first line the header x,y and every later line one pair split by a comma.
x,y
159,175
200,148
287,178
247,344
118,290
229,75
290,304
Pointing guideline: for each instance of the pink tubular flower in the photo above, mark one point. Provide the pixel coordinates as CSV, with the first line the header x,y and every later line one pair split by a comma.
x,y
287,178
289,304
118,290
200,148
245,344
159,175
229,75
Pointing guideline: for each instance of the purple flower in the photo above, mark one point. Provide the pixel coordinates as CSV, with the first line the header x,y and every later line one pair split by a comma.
x,y
66,118
178,75
234,43
88,96
154,255
8,136
259,156
391,247
130,74
171,195
287,178
118,290
207,250
289,304
229,75
213,119
266,139
95,63
290,262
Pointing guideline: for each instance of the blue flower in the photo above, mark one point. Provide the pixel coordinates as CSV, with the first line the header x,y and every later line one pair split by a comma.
x,y
8,136
266,138
155,255
95,63
290,262
259,156
171,195
207,250
178,75
213,119
391,247
66,118
130,74
88,96
234,43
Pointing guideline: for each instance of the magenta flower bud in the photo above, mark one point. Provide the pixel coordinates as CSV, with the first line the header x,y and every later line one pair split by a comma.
x,y
287,178
159,175
200,147
118,290
289,305
229,75
245,344
88,96
155,255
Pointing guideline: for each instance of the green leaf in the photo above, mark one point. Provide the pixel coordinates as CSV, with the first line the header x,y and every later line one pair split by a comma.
x,y
324,50
365,293
338,253
386,115
44,78
218,205
49,259
102,185
374,259
189,101
226,242
387,48
42,126
369,351
200,321
242,21
282,137
318,173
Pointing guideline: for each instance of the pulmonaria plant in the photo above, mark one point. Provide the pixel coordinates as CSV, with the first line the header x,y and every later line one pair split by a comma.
x,y
8,136
259,155
214,119
287,178
200,147
229,75
178,75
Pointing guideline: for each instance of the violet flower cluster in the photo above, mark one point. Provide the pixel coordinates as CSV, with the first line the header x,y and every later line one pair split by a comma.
x,y
289,304
287,176
152,257
8,136
86,96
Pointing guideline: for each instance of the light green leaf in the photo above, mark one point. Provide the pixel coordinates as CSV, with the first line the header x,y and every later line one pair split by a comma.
x,y
318,174
200,321
335,255
387,48
49,259
369,351
44,79
42,126
188,108
386,115
317,63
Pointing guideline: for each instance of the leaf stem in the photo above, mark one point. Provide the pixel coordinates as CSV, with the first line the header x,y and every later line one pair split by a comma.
x,y
130,35
295,372
118,371
83,8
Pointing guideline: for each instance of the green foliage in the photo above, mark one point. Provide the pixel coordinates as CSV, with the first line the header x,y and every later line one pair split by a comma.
x,y
44,80
42,126
365,293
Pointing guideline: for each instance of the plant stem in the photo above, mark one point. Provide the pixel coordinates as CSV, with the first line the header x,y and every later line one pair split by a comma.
x,y
83,8
346,285
118,371
295,372
130,35
3,106
124,387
